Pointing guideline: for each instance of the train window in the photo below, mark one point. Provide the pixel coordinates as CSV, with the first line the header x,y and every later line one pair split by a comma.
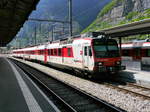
x,y
41,52
69,51
38,52
55,52
49,52
33,52
52,53
85,51
125,52
59,52
148,53
90,51
137,51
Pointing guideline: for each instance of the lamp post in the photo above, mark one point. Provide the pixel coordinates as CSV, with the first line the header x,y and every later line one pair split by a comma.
x,y
70,17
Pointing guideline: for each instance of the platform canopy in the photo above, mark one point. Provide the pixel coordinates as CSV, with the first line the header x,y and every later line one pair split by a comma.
x,y
135,28
13,14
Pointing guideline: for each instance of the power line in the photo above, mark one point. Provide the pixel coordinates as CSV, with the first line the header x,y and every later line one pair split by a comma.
x,y
86,11
47,20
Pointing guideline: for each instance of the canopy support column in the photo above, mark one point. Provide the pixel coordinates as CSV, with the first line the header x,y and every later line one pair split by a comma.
x,y
120,42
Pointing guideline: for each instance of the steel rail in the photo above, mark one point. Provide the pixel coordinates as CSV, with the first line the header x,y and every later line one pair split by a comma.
x,y
125,89
82,93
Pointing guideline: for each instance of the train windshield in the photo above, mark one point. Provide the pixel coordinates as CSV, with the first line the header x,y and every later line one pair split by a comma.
x,y
106,49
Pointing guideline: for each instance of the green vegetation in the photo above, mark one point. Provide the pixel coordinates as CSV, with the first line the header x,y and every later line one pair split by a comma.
x,y
99,24
131,15
103,22
109,7
136,37
135,16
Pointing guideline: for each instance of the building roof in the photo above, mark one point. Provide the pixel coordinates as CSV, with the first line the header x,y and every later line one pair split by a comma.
x,y
140,27
13,14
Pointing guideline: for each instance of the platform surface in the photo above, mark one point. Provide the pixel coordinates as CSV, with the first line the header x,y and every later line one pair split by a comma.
x,y
18,93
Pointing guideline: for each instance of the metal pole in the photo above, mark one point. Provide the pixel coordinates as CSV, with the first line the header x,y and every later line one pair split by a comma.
x,y
70,17
35,35
120,41
52,33
63,29
40,28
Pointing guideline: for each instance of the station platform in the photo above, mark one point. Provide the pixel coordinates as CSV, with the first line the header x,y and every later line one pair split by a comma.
x,y
137,76
19,93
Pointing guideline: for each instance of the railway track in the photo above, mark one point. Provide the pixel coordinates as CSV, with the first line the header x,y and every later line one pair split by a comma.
x,y
66,97
131,88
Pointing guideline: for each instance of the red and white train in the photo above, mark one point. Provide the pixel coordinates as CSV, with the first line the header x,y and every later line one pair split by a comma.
x,y
137,51
89,56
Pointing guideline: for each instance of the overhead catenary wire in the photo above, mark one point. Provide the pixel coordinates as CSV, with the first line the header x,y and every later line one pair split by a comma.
x,y
87,10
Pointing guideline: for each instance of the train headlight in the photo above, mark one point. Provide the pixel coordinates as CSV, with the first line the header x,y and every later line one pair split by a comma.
x,y
100,63
118,62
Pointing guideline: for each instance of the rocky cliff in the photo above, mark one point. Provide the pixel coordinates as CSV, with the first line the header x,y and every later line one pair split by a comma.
x,y
121,12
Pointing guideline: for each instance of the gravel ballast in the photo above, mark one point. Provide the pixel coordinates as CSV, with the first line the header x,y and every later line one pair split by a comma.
x,y
120,99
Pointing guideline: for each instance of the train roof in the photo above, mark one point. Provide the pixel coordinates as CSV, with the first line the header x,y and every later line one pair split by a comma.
x,y
136,45
62,42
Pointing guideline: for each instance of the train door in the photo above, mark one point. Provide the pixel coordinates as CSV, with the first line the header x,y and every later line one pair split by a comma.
x,y
63,50
45,55
137,54
87,61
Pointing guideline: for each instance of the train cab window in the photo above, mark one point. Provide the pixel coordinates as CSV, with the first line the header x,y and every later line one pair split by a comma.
x,y
85,51
69,51
59,52
90,51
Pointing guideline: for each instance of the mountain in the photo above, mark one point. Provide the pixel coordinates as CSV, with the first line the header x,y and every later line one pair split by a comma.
x,y
84,13
119,12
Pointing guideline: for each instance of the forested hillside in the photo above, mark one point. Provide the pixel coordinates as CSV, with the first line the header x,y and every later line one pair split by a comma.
x,y
119,12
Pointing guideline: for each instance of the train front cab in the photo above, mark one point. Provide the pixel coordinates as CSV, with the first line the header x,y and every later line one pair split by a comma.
x,y
106,56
